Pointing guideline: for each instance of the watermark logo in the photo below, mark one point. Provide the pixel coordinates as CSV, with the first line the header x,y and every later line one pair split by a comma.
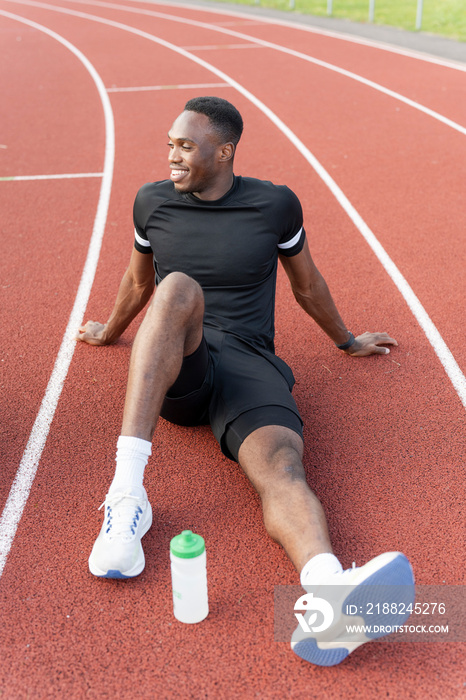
x,y
389,612
314,606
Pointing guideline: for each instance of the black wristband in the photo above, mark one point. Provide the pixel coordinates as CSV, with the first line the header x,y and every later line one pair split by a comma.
x,y
348,343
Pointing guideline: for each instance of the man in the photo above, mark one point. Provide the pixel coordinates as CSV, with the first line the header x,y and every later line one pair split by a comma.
x,y
204,354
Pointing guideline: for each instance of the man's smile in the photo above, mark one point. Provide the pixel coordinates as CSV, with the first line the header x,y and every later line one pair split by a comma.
x,y
177,174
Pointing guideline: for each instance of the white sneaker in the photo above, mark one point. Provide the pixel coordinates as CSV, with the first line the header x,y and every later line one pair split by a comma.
x,y
355,606
117,552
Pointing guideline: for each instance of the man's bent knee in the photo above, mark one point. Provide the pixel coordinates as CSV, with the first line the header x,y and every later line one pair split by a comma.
x,y
180,292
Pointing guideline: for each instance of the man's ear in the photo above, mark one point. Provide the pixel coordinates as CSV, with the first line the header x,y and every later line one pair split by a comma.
x,y
227,152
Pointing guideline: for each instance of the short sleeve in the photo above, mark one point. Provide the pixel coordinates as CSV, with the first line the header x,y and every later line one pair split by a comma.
x,y
294,245
141,242
292,240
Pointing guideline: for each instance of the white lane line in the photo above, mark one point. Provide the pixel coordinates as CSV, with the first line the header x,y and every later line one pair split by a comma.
x,y
216,47
341,36
187,86
276,47
65,176
441,349
21,487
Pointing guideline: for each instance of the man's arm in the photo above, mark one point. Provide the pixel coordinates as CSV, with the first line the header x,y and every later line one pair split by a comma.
x,y
312,293
135,290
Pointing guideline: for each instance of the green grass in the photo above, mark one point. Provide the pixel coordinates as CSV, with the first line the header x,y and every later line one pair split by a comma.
x,y
442,17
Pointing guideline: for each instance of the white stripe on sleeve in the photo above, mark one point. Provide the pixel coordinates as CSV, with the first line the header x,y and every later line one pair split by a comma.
x,y
142,241
294,240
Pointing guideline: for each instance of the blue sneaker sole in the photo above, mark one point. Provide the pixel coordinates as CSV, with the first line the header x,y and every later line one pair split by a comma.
x,y
113,573
309,651
394,583
369,597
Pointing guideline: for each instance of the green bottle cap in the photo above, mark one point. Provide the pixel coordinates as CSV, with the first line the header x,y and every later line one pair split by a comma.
x,y
187,545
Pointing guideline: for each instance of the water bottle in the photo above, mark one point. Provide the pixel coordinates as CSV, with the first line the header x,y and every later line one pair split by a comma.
x,y
189,577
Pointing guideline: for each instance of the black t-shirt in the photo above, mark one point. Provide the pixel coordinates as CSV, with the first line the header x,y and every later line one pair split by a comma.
x,y
230,246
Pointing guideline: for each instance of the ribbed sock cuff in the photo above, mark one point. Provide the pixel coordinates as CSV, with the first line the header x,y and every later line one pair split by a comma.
x,y
131,460
135,444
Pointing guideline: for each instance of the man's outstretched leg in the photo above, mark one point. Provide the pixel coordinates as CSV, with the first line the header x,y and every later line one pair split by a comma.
x,y
381,591
170,331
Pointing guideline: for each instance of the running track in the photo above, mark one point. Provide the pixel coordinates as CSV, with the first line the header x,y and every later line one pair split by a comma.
x,y
373,142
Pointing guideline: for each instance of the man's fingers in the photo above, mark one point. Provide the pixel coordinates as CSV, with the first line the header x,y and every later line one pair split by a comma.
x,y
387,341
82,330
371,344
380,338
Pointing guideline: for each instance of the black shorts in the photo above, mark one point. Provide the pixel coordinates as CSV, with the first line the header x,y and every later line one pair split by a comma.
x,y
235,388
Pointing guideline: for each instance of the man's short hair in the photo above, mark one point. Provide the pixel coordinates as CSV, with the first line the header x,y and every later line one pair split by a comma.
x,y
222,114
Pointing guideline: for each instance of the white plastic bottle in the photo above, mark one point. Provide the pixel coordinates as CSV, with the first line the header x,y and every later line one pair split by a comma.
x,y
189,577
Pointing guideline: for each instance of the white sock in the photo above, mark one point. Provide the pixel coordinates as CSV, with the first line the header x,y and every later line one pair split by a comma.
x,y
131,459
319,568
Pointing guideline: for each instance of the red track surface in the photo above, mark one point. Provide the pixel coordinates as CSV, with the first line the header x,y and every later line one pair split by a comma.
x,y
385,436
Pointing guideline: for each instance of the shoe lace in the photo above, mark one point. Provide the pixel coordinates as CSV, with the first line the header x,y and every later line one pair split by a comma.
x,y
344,577
122,514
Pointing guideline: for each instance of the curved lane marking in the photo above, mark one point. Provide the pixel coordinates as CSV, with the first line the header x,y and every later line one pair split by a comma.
x,y
21,487
28,467
276,47
441,349
332,34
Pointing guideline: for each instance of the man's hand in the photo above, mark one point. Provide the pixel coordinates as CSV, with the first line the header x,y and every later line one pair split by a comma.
x,y
370,344
135,290
92,332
